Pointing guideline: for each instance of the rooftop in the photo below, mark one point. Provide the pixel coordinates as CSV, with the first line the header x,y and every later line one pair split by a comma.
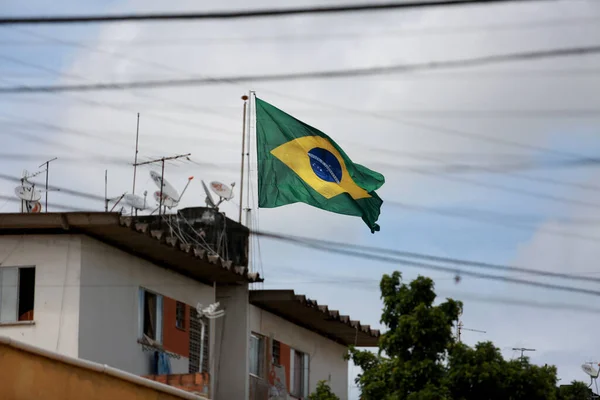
x,y
302,311
137,236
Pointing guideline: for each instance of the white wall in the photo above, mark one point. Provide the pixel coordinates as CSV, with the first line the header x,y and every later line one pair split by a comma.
x,y
232,338
110,279
326,356
57,261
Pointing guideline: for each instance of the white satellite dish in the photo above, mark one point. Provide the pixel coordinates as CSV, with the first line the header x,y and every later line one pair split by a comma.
x,y
135,201
167,201
167,188
222,190
209,200
27,193
590,370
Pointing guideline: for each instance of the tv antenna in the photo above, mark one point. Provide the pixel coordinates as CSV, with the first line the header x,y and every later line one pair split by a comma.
x,y
224,192
522,350
162,176
460,328
592,371
47,164
30,196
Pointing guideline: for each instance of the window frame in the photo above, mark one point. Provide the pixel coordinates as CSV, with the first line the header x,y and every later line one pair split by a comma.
x,y
303,390
16,292
158,314
261,354
180,308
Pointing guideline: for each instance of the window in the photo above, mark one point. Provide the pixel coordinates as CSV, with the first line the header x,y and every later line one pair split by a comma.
x,y
150,315
17,289
180,315
276,350
298,373
257,355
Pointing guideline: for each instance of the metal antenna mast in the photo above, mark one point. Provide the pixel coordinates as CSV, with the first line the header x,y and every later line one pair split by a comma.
x,y
459,329
522,350
162,174
137,136
47,164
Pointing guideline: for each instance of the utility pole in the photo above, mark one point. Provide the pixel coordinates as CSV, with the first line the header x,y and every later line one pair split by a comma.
x,y
522,350
47,164
460,328
162,175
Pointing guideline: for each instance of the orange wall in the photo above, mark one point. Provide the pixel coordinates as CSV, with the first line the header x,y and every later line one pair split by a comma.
x,y
175,340
25,375
284,358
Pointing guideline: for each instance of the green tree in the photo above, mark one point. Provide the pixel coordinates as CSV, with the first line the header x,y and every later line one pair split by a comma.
x,y
575,391
419,358
323,392
410,363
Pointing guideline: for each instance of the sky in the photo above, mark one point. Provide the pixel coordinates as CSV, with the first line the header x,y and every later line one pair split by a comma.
x,y
411,127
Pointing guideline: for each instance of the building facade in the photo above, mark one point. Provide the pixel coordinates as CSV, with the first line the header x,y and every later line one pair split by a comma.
x,y
124,293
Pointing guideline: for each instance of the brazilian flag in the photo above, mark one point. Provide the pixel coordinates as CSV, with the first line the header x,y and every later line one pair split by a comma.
x,y
298,163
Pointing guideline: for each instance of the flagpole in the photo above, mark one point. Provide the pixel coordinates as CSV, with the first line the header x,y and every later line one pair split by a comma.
x,y
250,93
244,97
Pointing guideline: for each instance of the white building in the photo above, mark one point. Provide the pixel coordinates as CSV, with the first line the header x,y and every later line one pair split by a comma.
x,y
123,292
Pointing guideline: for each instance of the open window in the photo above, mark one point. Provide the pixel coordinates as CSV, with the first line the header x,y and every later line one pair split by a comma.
x,y
257,355
299,368
17,293
150,316
180,315
276,352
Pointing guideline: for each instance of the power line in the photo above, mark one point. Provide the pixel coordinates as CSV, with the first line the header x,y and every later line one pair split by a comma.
x,y
260,13
343,73
409,263
331,245
178,121
329,35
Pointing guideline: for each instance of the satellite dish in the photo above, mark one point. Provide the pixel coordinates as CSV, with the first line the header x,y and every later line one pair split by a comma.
x,y
167,200
222,190
167,188
33,206
590,370
209,200
135,201
28,193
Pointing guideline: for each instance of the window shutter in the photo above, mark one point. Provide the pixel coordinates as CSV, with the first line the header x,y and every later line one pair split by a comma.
x,y
306,368
159,318
141,313
9,280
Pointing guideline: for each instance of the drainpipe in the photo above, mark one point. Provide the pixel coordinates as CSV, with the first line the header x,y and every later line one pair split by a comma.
x,y
202,332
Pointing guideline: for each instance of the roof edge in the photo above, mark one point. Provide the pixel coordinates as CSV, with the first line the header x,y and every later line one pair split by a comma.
x,y
257,296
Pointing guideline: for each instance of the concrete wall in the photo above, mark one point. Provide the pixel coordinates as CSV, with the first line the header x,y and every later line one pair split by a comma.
x,y
110,280
326,356
57,260
232,338
26,374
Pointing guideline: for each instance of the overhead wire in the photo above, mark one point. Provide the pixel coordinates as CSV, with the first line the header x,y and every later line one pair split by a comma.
x,y
323,244
341,73
257,13
574,22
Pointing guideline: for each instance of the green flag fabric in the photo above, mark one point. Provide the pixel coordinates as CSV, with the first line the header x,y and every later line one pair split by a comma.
x,y
298,163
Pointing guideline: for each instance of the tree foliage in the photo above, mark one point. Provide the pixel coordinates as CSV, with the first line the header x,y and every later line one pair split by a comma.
x,y
323,392
419,358
575,391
